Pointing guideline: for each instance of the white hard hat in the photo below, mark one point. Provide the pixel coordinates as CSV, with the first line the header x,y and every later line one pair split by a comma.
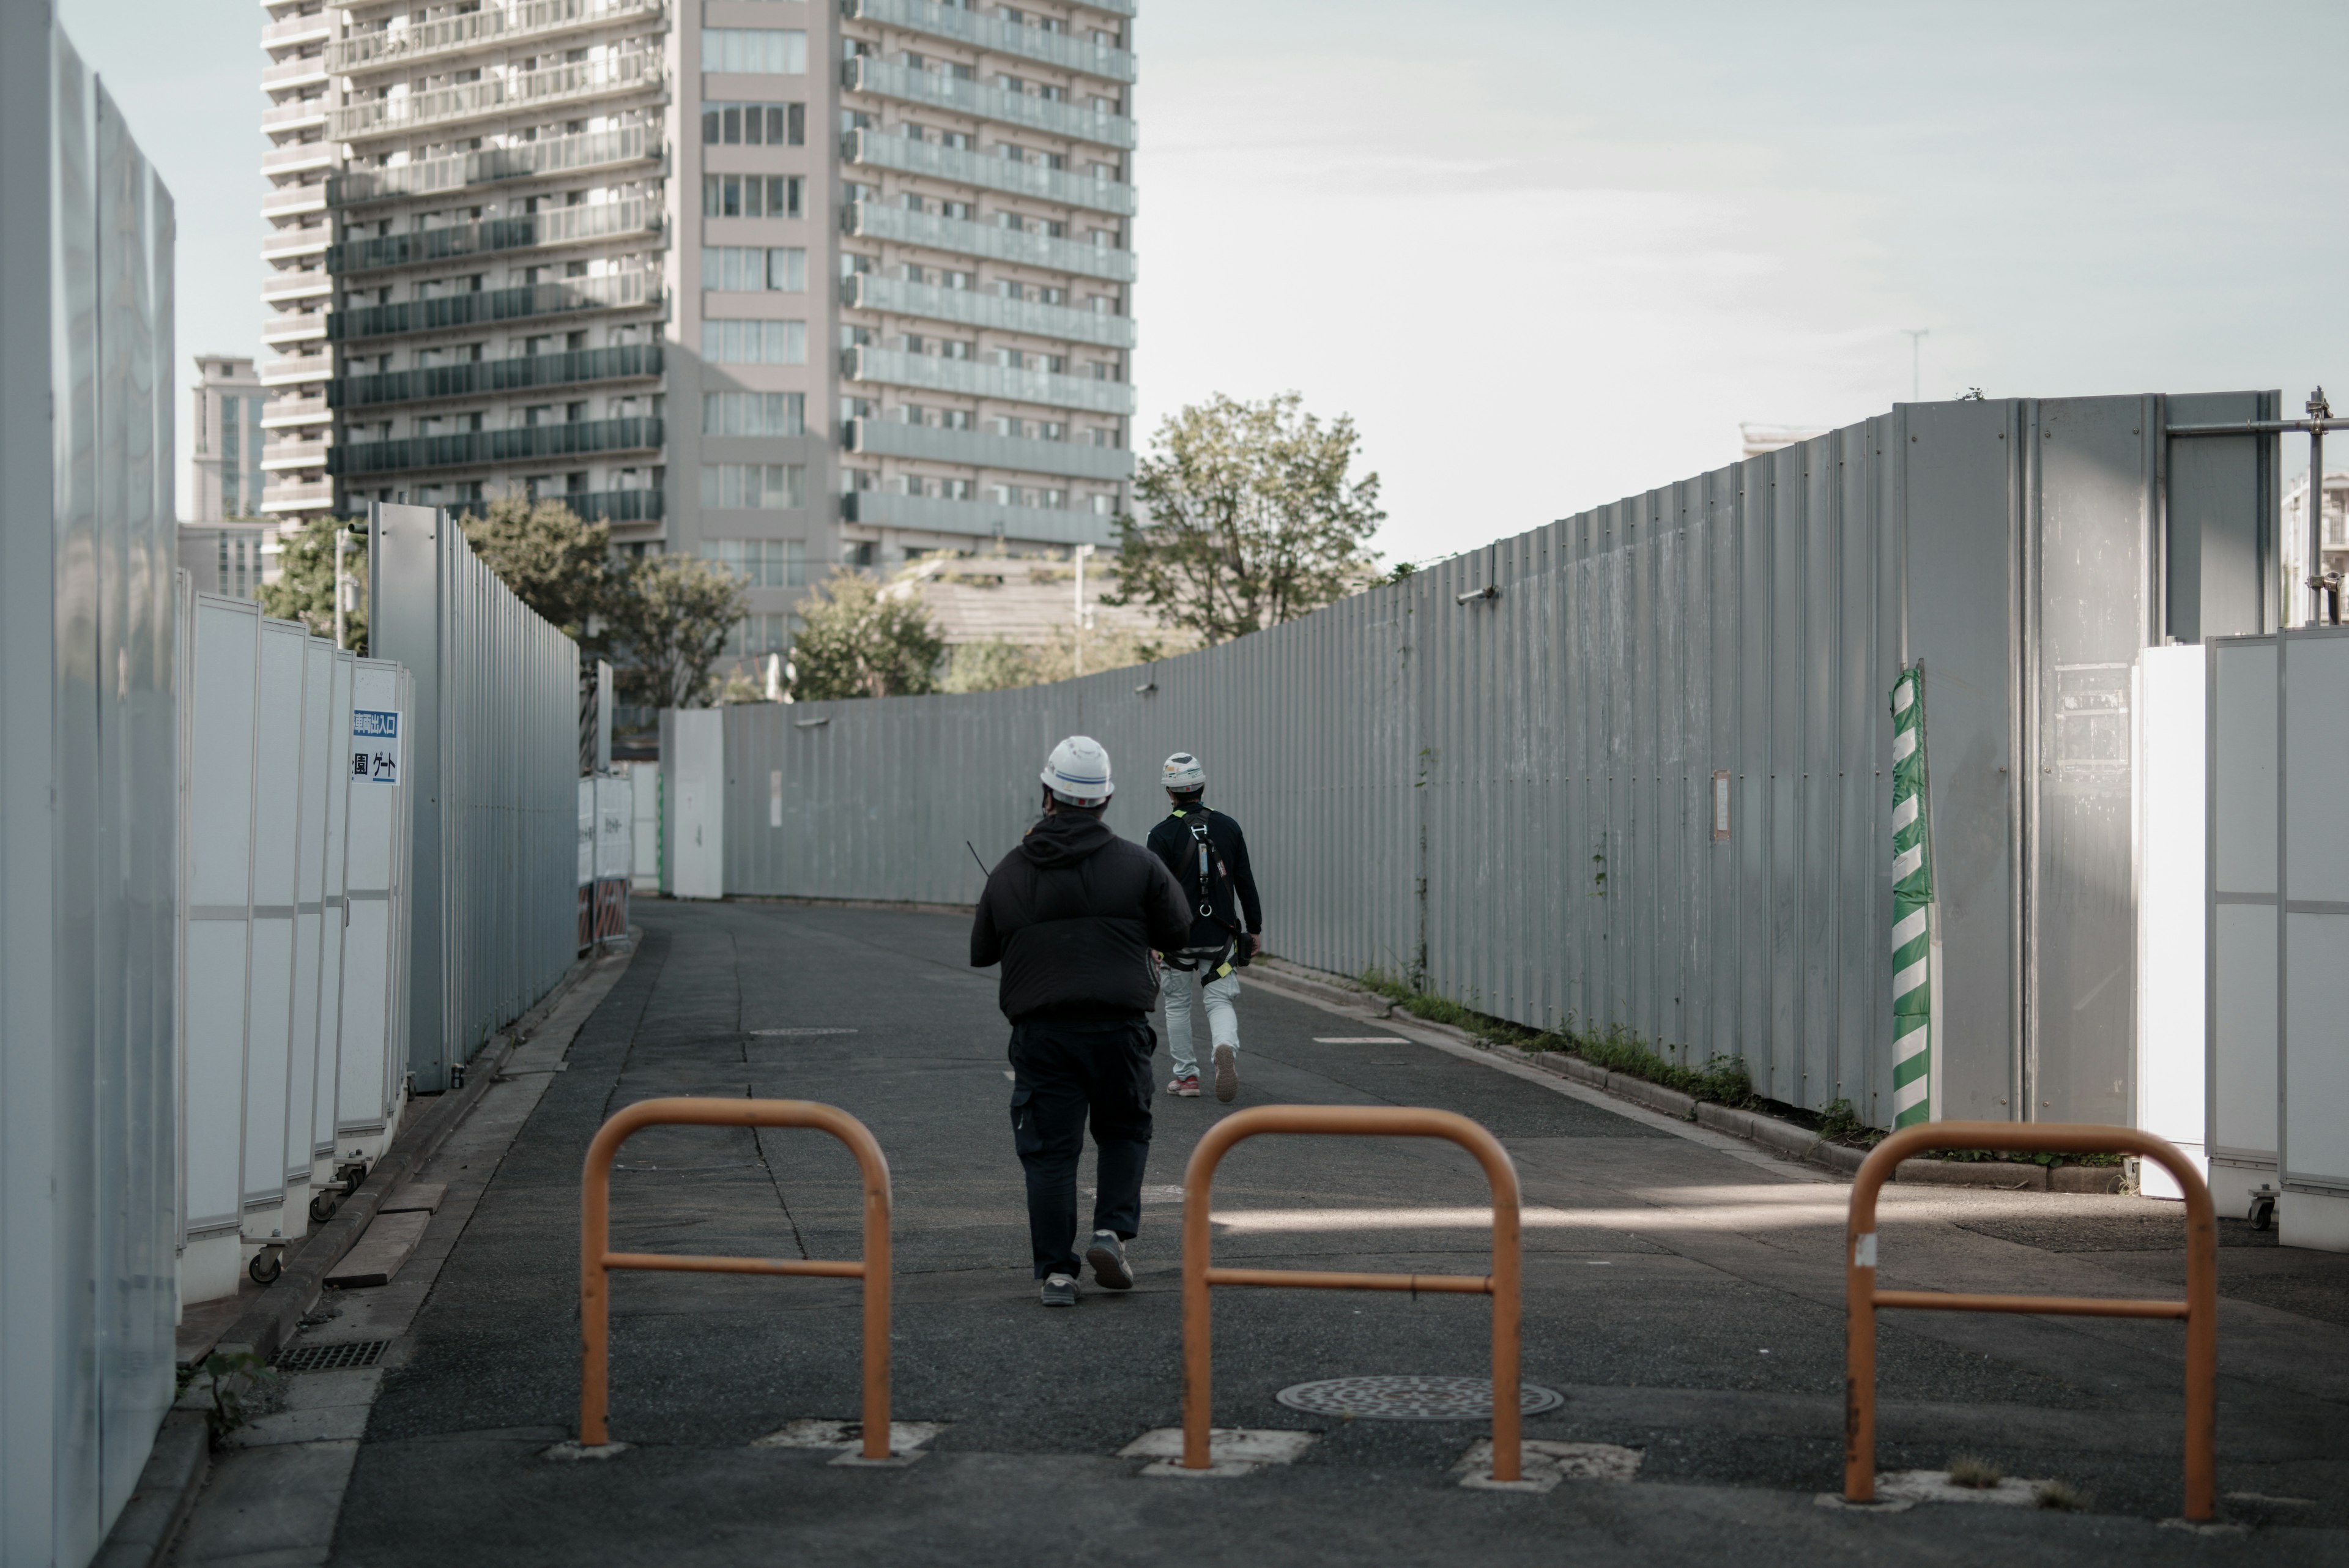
x,y
1182,773
1077,773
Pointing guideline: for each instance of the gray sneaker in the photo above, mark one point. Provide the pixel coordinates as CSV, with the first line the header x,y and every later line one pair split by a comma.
x,y
1227,1073
1059,1290
1107,1255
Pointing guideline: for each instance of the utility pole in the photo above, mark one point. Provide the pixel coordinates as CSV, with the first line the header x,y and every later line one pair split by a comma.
x,y
1917,336
342,588
1079,553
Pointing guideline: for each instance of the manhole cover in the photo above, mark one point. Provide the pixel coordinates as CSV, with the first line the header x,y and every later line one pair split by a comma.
x,y
1413,1398
331,1357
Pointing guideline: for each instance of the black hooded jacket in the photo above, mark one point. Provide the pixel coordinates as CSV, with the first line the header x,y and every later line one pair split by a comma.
x,y
1073,914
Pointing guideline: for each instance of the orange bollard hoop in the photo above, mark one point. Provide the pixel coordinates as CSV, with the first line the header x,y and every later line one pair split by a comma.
x,y
2199,1309
1199,1274
597,1259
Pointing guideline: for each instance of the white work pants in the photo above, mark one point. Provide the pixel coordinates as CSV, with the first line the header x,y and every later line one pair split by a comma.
x,y
1223,1017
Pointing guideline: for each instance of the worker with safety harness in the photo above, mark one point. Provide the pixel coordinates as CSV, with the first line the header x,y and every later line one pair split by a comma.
x,y
1073,914
1208,855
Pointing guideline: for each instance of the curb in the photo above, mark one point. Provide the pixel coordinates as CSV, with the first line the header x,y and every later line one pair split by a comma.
x,y
181,1460
1781,1137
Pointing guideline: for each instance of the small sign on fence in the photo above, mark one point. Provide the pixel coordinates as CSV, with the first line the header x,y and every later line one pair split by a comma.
x,y
374,745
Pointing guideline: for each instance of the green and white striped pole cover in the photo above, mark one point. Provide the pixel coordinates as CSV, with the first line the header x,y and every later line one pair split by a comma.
x,y
1912,897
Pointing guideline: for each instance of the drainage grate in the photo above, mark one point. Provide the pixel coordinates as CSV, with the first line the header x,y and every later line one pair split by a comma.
x,y
331,1357
1413,1398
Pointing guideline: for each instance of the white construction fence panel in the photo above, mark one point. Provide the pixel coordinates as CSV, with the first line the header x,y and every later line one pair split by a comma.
x,y
2172,707
270,1211
2313,1066
373,1067
2246,914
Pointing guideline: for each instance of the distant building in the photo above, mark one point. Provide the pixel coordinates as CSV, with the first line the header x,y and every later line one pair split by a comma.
x,y
2295,537
1759,438
224,543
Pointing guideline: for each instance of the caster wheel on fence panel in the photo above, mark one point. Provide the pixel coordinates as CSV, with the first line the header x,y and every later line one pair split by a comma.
x,y
266,1265
323,1206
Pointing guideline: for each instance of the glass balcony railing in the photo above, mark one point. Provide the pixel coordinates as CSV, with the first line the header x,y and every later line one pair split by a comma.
x,y
483,378
451,35
972,378
980,519
567,83
530,231
523,443
619,291
952,93
591,505
970,307
981,448
1071,51
908,156
873,221
523,160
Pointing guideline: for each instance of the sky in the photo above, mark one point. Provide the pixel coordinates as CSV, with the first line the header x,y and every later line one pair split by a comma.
x,y
1548,254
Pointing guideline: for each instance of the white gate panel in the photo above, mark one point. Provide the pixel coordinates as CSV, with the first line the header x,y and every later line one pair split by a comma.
x,y
615,821
334,917
694,758
269,995
315,759
2173,712
2312,1069
2246,915
371,854
645,825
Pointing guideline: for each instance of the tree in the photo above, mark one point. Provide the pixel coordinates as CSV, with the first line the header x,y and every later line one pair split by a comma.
x,y
670,616
857,640
1252,518
556,564
993,665
305,588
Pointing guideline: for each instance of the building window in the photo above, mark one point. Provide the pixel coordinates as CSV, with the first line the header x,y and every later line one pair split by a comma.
x,y
750,195
754,342
755,51
747,268
753,486
754,124
755,636
754,413
763,563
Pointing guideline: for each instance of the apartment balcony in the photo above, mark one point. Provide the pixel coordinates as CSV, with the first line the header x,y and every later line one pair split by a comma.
x,y
424,41
871,220
978,519
907,84
299,114
619,291
302,71
297,157
523,443
317,28
294,369
578,81
281,456
304,240
293,201
907,156
287,288
979,448
294,327
290,413
970,307
593,505
484,377
971,378
1066,50
316,496
531,231
1120,7
524,161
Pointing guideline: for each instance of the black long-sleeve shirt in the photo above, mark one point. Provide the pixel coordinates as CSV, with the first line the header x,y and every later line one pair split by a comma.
x,y
1172,843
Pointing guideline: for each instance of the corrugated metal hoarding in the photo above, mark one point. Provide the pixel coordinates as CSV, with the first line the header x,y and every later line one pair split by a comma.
x,y
1513,797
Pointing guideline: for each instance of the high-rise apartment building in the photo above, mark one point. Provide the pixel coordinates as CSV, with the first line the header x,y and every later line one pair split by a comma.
x,y
782,282
221,544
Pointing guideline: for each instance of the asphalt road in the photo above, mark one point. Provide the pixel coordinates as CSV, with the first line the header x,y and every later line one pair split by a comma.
x,y
1684,1296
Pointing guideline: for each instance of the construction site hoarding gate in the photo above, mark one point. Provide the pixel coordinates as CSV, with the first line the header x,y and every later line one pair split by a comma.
x,y
1633,769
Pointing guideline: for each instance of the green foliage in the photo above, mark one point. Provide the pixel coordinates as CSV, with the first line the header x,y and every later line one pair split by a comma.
x,y
305,588
232,1376
993,665
1403,572
554,563
669,618
1839,1123
857,640
1253,519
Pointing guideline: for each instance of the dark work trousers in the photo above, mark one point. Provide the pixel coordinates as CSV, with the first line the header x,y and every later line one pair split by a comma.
x,y
1063,1074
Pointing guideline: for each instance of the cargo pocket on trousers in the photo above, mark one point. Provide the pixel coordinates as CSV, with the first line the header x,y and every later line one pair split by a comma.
x,y
1027,1138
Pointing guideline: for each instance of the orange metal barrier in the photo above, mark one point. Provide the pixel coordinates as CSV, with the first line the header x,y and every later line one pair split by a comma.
x,y
2199,1309
596,1260
1370,1121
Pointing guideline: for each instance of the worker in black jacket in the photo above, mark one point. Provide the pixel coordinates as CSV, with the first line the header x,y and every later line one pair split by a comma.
x,y
1208,855
1073,914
